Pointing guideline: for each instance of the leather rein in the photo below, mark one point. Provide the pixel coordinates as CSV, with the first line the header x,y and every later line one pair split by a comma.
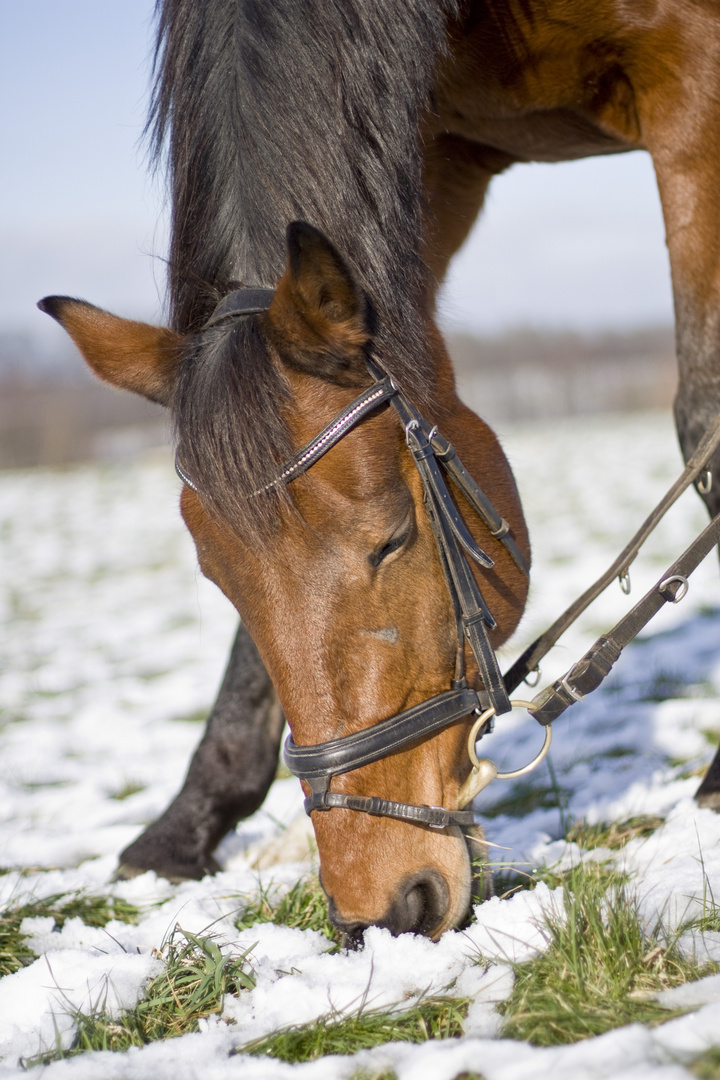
x,y
436,460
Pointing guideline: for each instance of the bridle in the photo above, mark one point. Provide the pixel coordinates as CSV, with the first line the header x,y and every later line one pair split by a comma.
x,y
435,459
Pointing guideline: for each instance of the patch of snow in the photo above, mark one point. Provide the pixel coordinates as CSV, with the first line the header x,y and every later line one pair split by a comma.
x,y
111,649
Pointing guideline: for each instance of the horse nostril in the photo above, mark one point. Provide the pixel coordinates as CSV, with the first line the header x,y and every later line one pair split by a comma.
x,y
352,932
421,903
352,936
423,898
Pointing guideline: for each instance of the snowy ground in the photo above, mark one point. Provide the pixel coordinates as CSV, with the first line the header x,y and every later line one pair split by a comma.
x,y
111,649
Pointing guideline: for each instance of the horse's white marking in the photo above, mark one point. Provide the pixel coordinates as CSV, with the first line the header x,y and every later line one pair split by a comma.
x,y
389,634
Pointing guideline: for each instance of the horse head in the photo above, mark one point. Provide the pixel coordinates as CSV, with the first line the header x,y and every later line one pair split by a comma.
x,y
336,574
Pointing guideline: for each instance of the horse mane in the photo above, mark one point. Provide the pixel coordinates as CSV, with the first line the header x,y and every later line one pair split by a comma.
x,y
269,111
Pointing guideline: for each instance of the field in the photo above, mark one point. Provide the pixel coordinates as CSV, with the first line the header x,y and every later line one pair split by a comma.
x,y
608,876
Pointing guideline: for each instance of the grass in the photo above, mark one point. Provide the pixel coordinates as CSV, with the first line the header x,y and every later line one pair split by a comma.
x,y
336,1033
304,907
615,835
127,790
197,716
93,910
709,920
707,1066
664,687
195,980
373,1074
525,797
600,971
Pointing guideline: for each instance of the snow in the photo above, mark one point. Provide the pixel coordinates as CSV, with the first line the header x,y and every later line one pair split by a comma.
x,y
111,649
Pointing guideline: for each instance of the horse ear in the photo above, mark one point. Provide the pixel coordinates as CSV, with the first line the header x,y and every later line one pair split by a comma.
x,y
320,317
132,355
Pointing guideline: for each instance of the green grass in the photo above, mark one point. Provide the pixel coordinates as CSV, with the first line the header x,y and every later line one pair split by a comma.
x,y
708,921
664,687
508,879
615,835
93,910
525,797
197,716
600,970
304,906
193,984
374,1074
127,790
336,1033
707,1066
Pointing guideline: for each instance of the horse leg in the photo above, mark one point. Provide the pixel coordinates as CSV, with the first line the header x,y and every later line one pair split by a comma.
x,y
680,130
229,775
457,173
687,179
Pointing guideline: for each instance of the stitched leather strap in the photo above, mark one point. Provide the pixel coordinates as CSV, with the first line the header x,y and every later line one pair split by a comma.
x,y
529,660
500,529
424,455
437,817
475,617
350,752
587,674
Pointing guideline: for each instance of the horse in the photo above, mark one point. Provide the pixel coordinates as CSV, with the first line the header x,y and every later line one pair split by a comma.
x,y
328,159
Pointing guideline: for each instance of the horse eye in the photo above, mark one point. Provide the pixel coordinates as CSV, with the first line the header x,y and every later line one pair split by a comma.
x,y
389,548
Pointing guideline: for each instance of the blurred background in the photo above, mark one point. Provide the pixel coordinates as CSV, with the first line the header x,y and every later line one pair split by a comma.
x,y
560,302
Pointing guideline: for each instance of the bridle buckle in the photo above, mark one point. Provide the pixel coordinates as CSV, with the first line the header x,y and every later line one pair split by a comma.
x,y
433,825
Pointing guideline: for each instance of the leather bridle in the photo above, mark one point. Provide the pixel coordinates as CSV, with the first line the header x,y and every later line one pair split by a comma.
x,y
435,459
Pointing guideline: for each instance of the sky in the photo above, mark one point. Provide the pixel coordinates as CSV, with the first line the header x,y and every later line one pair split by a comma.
x,y
577,245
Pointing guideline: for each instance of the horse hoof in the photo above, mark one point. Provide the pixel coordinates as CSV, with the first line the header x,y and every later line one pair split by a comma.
x,y
708,800
175,875
125,872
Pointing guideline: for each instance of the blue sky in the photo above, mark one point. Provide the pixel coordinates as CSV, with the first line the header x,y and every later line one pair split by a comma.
x,y
563,245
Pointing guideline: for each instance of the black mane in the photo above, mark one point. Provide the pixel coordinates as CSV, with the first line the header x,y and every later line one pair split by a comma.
x,y
270,111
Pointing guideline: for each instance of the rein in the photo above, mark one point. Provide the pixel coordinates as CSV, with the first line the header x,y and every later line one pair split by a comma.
x,y
435,459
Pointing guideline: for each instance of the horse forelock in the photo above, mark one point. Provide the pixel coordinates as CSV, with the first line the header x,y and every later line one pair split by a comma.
x,y
229,426
272,112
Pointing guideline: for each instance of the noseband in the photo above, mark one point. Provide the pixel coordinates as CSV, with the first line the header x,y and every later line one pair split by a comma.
x,y
435,459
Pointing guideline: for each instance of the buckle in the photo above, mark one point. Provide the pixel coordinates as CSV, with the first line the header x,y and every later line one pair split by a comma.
x,y
444,825
576,695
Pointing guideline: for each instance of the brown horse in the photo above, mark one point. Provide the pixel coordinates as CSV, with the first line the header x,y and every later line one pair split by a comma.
x,y
382,123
